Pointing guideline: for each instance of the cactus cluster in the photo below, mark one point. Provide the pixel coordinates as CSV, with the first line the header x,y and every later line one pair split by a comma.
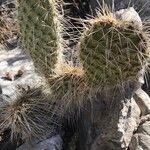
x,y
111,52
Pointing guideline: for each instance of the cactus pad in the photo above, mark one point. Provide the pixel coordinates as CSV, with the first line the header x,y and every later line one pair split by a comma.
x,y
112,52
39,32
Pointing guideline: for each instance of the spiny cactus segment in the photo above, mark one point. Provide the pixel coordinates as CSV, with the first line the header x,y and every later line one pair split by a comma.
x,y
112,51
40,32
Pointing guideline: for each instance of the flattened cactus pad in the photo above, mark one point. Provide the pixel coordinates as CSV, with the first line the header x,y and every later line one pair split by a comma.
x,y
39,32
112,51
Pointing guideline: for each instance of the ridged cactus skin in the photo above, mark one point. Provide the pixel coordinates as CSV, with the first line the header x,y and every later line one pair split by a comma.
x,y
39,28
111,51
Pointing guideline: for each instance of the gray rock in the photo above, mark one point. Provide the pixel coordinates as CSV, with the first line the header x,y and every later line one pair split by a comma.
x,y
130,124
141,139
130,15
53,143
144,128
143,100
10,63
140,142
116,138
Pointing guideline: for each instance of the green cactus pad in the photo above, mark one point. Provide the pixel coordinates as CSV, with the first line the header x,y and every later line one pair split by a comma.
x,y
112,53
40,32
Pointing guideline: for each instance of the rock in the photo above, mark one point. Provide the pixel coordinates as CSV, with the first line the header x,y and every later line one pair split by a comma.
x,y
130,15
142,7
141,139
145,118
12,43
16,68
119,138
143,101
130,124
53,143
140,142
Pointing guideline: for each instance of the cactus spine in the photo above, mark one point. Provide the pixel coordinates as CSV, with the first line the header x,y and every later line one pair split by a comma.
x,y
40,33
112,51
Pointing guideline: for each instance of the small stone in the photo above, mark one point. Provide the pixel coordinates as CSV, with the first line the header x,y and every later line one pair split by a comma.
x,y
19,74
130,15
143,101
144,128
53,143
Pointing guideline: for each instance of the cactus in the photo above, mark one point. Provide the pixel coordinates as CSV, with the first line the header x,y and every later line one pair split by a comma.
x,y
112,51
40,33
28,115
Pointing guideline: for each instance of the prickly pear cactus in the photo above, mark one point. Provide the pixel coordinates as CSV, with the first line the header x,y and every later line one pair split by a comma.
x,y
40,32
112,51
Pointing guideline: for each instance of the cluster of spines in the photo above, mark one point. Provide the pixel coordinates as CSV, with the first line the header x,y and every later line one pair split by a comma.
x,y
28,115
